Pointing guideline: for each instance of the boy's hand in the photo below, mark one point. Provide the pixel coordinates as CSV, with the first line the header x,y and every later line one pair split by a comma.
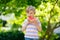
x,y
35,22
30,22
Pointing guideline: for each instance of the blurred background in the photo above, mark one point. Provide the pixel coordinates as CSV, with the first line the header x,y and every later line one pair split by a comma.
x,y
13,13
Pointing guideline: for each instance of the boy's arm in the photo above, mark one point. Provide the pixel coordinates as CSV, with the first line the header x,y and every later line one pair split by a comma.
x,y
38,25
23,28
24,25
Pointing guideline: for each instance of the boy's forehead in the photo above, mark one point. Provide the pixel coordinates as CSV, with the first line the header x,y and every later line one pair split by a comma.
x,y
31,10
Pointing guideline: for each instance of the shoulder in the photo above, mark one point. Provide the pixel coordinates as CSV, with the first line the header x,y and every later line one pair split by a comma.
x,y
37,19
25,20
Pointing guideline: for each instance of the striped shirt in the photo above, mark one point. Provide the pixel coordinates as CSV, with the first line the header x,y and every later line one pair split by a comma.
x,y
31,30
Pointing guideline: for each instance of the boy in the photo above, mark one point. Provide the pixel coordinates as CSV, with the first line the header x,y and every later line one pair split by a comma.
x,y
31,25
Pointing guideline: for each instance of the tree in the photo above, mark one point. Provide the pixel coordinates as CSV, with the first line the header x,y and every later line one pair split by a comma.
x,y
48,11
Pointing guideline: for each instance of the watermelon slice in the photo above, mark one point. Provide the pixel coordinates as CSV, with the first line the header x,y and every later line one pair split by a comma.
x,y
31,18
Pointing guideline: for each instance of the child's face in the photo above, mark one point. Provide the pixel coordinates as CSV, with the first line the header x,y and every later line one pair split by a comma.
x,y
30,13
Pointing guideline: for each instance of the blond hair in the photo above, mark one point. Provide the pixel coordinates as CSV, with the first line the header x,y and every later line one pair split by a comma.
x,y
30,8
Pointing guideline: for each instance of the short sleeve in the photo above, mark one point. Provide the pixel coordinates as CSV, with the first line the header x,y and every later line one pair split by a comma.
x,y
24,23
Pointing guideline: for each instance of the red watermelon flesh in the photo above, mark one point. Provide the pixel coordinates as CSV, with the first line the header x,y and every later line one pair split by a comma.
x,y
31,18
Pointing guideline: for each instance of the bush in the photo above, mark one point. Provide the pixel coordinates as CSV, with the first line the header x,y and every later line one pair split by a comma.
x,y
58,37
12,35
